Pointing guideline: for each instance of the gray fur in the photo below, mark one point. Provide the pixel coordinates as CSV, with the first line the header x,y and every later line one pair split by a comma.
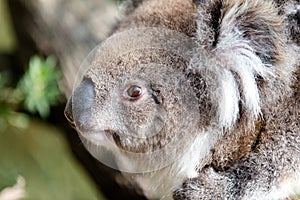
x,y
241,80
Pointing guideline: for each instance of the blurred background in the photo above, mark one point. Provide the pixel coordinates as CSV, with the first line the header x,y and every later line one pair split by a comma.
x,y
42,44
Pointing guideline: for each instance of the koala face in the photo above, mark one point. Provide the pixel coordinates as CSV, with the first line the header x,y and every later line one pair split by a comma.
x,y
141,103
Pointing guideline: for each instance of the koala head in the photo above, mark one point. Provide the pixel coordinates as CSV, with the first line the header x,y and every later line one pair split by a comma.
x,y
138,103
176,70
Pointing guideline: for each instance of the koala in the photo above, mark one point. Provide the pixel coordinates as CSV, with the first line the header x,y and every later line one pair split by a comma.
x,y
197,99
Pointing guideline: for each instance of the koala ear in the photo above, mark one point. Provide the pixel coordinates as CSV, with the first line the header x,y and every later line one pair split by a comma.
x,y
245,40
256,23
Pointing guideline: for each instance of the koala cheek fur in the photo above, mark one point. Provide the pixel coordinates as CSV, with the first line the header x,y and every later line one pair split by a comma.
x,y
234,99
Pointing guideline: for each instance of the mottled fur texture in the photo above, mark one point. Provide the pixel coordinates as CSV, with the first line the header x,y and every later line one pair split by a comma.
x,y
244,73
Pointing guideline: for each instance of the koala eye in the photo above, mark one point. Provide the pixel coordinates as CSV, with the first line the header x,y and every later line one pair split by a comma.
x,y
134,91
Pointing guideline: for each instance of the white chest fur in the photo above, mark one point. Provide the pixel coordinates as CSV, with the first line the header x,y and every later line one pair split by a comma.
x,y
161,184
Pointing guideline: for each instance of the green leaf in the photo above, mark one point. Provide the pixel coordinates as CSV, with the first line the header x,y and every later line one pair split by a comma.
x,y
40,85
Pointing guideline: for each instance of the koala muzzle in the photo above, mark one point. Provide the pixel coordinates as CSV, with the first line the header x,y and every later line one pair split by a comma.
x,y
79,106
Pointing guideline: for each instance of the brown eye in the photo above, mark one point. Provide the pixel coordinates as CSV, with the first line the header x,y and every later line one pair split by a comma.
x,y
134,91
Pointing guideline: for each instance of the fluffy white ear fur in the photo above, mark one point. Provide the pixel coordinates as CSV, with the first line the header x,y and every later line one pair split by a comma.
x,y
235,81
234,69
244,66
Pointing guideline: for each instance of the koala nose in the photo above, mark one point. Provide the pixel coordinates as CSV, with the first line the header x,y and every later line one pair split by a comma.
x,y
79,106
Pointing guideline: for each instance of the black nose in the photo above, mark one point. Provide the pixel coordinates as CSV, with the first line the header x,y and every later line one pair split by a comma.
x,y
79,106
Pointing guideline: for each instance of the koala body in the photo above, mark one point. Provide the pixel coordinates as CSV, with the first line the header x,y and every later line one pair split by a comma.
x,y
209,113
